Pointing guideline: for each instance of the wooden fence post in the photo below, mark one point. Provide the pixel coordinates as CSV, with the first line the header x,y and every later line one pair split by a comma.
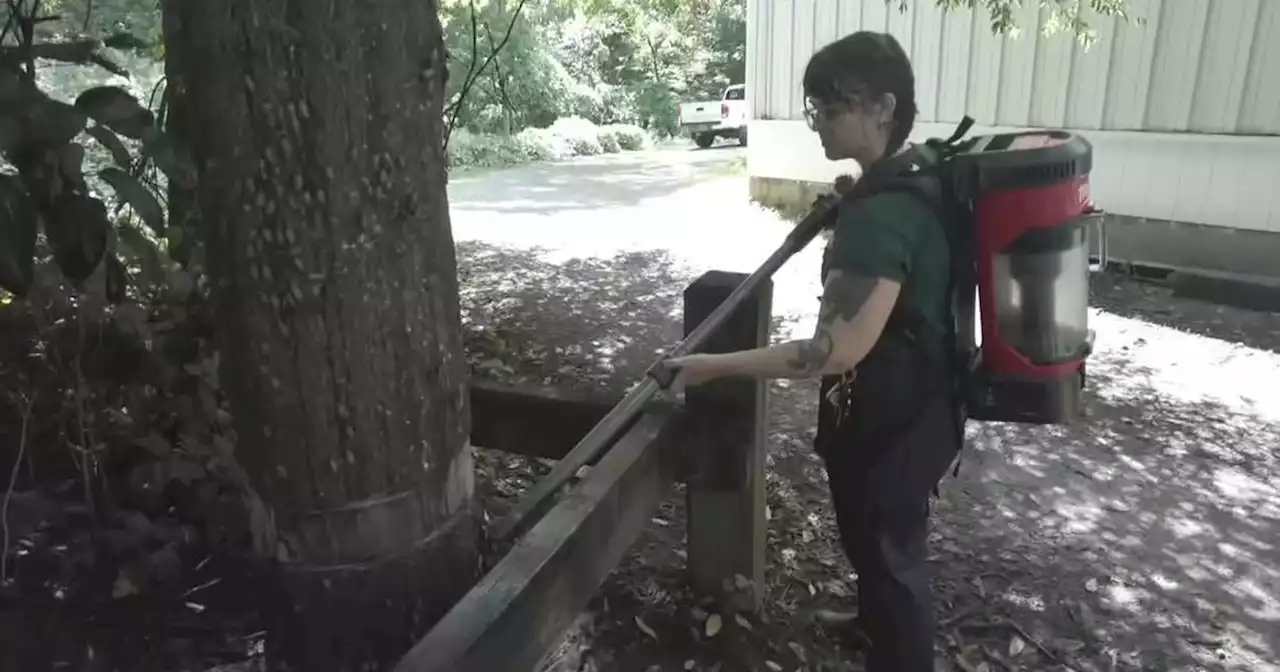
x,y
725,455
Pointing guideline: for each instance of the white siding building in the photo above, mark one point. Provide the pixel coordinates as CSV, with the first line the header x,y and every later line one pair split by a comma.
x,y
1183,110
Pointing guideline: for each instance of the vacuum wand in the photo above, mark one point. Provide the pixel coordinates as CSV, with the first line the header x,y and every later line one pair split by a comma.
x,y
818,218
659,376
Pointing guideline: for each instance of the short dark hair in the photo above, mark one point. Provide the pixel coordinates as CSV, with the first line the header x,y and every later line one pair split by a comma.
x,y
862,66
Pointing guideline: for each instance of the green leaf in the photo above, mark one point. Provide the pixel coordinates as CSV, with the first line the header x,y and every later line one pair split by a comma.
x,y
178,242
169,158
115,108
76,227
126,42
117,280
131,191
144,252
49,122
69,160
119,153
18,223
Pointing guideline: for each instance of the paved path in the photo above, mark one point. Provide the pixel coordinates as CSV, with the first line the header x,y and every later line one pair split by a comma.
x,y
1162,511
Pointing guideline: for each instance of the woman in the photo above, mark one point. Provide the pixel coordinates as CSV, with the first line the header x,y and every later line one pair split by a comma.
x,y
887,425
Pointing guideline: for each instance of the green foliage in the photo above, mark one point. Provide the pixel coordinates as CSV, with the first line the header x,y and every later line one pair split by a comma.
x,y
73,165
606,61
1065,16
121,24
563,139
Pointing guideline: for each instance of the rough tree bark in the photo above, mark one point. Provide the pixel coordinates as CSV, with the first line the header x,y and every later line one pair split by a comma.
x,y
316,132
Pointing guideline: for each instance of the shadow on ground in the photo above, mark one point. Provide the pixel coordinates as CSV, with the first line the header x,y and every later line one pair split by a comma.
x,y
585,323
1155,303
1141,538
1144,537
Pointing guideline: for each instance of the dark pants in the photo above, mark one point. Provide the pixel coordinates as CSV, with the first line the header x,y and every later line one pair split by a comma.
x,y
880,488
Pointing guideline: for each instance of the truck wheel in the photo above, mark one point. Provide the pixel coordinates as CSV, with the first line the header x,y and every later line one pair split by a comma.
x,y
704,140
742,136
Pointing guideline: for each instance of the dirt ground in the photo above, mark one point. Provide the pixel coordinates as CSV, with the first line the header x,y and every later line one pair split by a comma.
x,y
1146,537
1142,538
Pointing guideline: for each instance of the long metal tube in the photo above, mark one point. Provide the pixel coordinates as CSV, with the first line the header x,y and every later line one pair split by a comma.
x,y
607,431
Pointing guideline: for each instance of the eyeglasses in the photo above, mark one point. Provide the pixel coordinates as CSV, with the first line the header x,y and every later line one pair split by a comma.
x,y
815,111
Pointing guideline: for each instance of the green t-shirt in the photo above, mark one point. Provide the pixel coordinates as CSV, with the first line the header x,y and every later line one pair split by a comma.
x,y
896,236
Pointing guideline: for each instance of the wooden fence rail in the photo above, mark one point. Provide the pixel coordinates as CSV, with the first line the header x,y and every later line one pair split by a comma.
x,y
521,608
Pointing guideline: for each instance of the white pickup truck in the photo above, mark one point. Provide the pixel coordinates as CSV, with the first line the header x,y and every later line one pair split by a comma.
x,y
710,119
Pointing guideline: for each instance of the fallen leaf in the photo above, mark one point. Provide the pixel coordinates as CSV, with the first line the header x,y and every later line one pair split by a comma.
x,y
644,627
155,444
742,622
773,666
713,625
799,651
832,617
123,587
1068,645
1017,646
1083,614
688,664
1217,622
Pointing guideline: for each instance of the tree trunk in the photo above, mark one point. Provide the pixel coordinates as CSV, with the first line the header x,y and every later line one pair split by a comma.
x,y
316,132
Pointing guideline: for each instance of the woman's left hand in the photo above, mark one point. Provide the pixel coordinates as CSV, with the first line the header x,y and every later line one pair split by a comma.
x,y
694,370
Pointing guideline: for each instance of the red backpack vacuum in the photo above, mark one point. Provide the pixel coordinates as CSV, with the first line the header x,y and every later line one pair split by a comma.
x,y
1026,200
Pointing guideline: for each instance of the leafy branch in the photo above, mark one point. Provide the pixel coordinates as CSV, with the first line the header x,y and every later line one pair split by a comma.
x,y
1064,15
38,137
500,80
473,72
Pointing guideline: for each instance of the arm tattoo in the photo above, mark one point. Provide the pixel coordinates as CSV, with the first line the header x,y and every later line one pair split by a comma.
x,y
842,298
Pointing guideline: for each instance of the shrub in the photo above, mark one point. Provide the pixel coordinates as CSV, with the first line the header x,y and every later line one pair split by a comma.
x,y
467,149
608,139
568,137
630,137
477,150
540,144
582,135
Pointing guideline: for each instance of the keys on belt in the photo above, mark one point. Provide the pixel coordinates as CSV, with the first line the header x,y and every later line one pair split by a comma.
x,y
840,396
